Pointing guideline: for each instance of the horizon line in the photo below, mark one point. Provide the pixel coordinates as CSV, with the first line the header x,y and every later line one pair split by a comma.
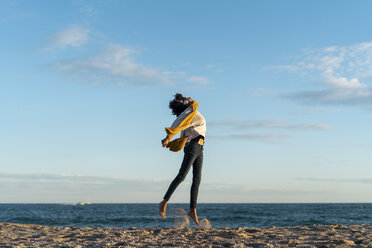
x,y
91,203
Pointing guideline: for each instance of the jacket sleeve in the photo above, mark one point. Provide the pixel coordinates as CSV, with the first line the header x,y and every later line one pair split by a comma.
x,y
183,120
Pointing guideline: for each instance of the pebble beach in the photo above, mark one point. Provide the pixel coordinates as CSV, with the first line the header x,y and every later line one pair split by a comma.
x,y
30,235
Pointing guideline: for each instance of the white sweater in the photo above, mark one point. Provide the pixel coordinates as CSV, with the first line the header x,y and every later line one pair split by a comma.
x,y
198,125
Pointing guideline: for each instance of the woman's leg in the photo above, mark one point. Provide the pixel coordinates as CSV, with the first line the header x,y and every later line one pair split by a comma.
x,y
188,159
196,171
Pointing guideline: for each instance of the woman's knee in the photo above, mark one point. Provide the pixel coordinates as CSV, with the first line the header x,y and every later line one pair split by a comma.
x,y
181,177
196,180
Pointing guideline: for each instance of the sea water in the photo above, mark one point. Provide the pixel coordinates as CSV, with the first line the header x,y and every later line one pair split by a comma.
x,y
217,215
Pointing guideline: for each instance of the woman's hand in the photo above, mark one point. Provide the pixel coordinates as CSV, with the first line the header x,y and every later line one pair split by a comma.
x,y
165,141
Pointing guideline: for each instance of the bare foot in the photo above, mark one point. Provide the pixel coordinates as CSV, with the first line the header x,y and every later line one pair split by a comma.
x,y
192,214
162,208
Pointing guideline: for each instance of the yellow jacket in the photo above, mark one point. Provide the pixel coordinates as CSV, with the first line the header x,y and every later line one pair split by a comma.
x,y
177,144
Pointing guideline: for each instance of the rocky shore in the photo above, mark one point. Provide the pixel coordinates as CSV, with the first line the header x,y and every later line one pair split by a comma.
x,y
26,235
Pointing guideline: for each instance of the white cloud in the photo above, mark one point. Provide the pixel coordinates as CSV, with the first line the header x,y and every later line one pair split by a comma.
x,y
346,72
74,36
343,82
213,68
239,125
67,188
115,64
253,124
362,98
198,80
340,180
263,138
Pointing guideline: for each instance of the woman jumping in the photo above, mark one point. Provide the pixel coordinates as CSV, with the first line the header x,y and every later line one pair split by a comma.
x,y
192,126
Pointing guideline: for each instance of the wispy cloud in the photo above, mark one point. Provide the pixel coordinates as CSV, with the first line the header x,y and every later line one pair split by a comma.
x,y
71,180
69,188
88,9
254,124
264,138
239,125
329,180
198,80
253,193
214,68
74,36
340,96
75,188
346,72
115,64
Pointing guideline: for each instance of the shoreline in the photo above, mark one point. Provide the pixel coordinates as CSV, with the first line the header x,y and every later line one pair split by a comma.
x,y
32,235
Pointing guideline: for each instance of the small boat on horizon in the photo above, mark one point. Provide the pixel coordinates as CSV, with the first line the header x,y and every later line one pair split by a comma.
x,y
83,203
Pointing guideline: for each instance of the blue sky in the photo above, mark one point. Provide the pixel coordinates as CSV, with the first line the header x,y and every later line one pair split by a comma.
x,y
285,87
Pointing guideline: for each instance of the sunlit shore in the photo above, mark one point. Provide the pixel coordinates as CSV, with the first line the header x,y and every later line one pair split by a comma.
x,y
29,235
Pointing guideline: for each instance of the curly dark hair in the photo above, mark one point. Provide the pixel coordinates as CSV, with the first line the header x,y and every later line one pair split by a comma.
x,y
177,105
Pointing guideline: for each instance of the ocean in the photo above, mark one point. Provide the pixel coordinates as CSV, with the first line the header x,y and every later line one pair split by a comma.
x,y
219,215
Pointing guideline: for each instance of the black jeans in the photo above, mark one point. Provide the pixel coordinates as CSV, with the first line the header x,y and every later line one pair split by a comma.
x,y
193,156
